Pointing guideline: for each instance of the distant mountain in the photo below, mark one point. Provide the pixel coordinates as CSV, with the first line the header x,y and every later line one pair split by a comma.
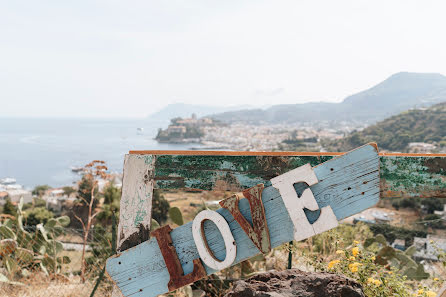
x,y
186,110
395,133
399,92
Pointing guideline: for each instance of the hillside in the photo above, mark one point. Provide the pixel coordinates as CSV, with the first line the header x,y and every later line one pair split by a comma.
x,y
395,133
399,92
184,110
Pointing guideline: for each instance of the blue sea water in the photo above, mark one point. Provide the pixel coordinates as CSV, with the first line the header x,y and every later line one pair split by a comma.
x,y
41,151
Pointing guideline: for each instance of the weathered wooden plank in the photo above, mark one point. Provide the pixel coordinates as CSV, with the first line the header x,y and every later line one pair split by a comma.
x,y
136,203
420,176
349,184
401,176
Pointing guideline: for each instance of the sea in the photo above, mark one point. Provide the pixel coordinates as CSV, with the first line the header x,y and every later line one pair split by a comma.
x,y
38,151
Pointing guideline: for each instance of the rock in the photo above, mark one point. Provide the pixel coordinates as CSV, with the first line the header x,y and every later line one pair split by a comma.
x,y
296,283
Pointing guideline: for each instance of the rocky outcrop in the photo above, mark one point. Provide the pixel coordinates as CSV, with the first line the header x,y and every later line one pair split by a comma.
x,y
296,283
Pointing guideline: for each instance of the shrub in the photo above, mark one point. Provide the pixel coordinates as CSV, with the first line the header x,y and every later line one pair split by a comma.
x,y
38,215
160,207
391,233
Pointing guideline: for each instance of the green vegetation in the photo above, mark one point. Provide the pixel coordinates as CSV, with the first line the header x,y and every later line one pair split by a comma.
x,y
39,202
68,190
24,250
160,207
9,208
40,190
86,190
392,232
382,271
433,221
418,204
395,133
112,196
38,215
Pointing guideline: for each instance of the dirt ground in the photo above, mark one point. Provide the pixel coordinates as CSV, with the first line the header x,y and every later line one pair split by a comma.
x,y
41,286
190,203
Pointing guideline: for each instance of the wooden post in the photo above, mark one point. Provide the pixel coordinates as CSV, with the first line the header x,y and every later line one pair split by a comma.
x,y
135,214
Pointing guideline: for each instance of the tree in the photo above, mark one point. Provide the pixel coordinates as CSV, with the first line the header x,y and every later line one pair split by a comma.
x,y
160,207
40,190
112,196
68,190
433,204
38,215
88,188
39,202
9,208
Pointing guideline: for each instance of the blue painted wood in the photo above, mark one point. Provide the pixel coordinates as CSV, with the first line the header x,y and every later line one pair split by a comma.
x,y
349,184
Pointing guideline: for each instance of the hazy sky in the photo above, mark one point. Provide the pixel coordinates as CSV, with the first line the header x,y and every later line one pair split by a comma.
x,y
130,58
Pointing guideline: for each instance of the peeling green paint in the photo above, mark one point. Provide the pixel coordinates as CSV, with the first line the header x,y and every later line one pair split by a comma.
x,y
413,176
400,175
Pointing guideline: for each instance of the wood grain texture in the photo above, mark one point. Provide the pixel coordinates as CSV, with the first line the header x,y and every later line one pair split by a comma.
x,y
401,175
136,204
136,201
349,184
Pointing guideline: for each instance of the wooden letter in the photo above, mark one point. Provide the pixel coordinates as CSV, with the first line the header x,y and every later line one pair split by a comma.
x,y
295,205
258,232
202,246
177,277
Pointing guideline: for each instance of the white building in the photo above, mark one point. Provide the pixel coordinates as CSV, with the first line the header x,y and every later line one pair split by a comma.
x,y
427,248
9,189
16,194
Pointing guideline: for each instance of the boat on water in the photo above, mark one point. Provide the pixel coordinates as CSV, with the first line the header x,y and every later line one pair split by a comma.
x,y
77,169
8,181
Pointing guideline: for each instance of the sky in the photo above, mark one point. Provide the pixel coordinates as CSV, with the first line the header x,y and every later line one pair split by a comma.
x,y
109,58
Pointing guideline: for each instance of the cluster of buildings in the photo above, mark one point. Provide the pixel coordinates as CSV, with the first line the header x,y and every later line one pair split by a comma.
x,y
421,147
246,137
56,199
9,189
184,130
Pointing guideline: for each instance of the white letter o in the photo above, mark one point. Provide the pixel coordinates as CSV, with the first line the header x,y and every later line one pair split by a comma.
x,y
204,251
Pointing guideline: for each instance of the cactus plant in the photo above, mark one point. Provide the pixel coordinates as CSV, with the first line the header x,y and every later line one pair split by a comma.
x,y
176,216
22,250
387,255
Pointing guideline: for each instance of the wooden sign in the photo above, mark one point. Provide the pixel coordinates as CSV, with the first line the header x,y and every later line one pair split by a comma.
x,y
299,204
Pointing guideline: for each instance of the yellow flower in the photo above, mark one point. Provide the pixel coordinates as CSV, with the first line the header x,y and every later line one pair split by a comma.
x,y
340,252
351,258
436,279
431,294
420,291
354,266
389,272
375,282
373,258
333,263
356,242
355,251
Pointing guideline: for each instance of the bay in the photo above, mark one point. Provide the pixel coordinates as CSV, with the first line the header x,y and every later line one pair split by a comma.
x,y
38,151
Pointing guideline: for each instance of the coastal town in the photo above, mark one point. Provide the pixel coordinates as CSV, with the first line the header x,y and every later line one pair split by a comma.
x,y
211,134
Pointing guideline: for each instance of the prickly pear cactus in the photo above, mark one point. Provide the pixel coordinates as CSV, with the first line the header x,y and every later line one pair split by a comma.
x,y
387,255
22,250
